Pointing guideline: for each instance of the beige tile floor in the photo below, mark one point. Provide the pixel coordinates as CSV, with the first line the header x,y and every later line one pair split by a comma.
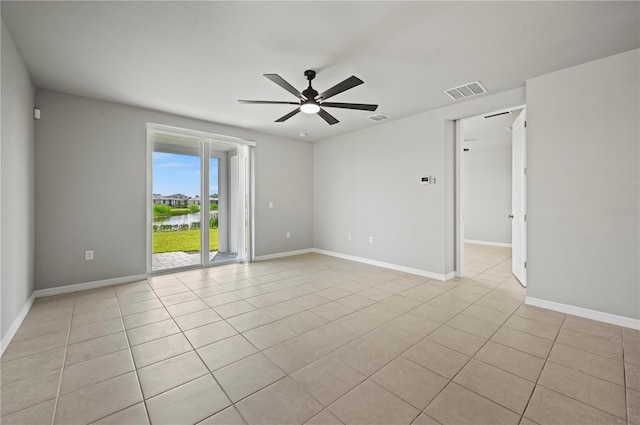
x,y
318,340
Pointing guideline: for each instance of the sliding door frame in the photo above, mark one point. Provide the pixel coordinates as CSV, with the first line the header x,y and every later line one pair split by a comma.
x,y
205,139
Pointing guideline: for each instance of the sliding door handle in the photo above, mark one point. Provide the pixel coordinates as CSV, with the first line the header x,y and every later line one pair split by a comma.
x,y
510,215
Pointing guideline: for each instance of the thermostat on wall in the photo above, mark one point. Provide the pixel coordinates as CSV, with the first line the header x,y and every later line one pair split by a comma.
x,y
425,180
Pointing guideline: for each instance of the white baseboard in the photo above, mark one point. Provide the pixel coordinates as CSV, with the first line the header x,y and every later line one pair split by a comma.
x,y
450,275
419,272
502,244
11,332
600,316
88,285
283,254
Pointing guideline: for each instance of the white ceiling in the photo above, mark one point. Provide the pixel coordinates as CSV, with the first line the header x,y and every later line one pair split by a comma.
x,y
197,58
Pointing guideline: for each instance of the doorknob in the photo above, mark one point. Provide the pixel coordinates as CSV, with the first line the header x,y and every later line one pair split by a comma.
x,y
510,215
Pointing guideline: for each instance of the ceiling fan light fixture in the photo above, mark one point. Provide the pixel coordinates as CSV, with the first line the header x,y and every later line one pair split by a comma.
x,y
310,108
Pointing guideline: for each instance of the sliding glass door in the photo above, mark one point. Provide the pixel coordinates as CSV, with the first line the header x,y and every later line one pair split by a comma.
x,y
177,214
199,202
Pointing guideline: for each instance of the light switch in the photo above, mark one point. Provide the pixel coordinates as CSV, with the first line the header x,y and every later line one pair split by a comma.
x,y
270,204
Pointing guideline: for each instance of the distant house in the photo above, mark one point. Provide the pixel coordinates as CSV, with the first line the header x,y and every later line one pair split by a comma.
x,y
177,200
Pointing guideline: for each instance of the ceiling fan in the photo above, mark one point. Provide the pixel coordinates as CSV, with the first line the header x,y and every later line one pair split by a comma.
x,y
313,103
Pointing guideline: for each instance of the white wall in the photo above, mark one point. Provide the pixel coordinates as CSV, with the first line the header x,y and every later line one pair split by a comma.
x,y
16,186
583,161
366,183
487,190
90,188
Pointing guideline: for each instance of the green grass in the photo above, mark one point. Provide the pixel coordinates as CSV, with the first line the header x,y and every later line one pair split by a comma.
x,y
185,241
160,210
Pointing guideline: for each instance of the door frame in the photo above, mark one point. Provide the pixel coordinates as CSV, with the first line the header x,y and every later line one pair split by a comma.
x,y
223,196
205,138
519,216
459,187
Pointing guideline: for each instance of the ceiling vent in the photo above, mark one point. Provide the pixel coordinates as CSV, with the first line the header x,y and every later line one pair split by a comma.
x,y
497,114
379,117
466,90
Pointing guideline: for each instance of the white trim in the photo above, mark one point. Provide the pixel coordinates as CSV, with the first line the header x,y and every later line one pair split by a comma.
x,y
283,254
149,203
506,245
88,285
252,203
205,193
600,316
449,275
11,332
424,273
177,131
459,199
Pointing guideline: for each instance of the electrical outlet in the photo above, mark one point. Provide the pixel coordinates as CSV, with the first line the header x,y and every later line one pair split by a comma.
x,y
88,255
270,204
370,240
349,237
288,235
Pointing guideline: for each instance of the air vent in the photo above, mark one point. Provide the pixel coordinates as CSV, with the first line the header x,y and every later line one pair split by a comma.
x,y
379,117
466,90
497,114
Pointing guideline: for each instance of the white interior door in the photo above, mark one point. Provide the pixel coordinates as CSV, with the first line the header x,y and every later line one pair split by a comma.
x,y
518,198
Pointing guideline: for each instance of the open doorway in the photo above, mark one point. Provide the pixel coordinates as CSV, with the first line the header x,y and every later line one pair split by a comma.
x,y
200,196
491,233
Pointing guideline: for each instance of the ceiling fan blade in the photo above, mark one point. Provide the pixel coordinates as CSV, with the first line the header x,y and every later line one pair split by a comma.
x,y
347,84
289,115
268,102
284,84
327,117
360,106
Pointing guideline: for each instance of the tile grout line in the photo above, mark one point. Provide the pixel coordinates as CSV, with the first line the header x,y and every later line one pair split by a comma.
x,y
64,360
624,380
543,367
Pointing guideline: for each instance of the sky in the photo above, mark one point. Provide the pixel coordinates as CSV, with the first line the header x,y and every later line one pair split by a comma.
x,y
174,173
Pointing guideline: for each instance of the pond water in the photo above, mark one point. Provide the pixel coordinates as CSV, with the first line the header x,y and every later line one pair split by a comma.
x,y
181,219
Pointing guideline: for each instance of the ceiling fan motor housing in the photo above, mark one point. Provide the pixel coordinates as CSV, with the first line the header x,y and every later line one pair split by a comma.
x,y
309,93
